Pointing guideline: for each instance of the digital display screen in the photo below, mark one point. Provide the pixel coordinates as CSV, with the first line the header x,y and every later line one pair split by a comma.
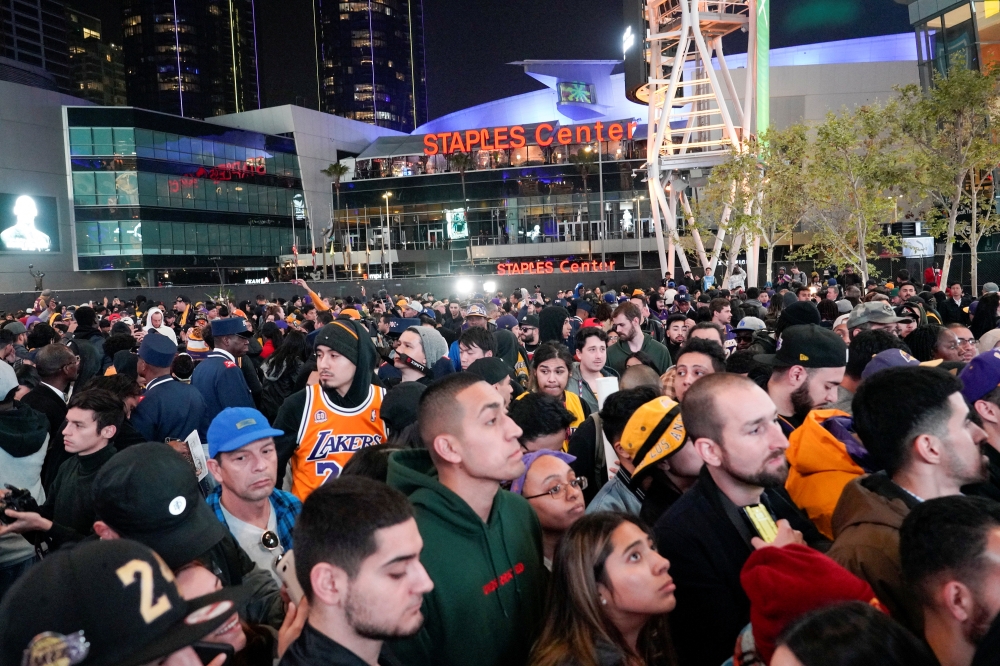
x,y
457,226
575,92
28,223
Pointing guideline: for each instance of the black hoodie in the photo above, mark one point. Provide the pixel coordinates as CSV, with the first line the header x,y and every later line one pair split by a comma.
x,y
550,324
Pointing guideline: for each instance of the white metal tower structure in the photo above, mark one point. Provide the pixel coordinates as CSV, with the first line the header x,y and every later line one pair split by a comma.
x,y
690,124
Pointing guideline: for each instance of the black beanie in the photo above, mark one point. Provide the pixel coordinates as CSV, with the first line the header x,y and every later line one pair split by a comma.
x,y
491,369
800,312
341,337
85,316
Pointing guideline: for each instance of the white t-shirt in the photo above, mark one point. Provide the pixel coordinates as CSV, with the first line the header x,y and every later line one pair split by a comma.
x,y
248,537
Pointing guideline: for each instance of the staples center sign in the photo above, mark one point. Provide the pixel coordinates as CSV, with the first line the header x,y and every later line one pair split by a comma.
x,y
516,136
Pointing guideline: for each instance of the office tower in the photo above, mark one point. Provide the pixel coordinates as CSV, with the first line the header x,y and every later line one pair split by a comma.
x,y
33,35
371,61
96,69
193,58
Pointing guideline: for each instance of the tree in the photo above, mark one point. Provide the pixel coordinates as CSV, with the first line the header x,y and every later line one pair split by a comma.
x,y
335,171
584,159
854,174
983,219
950,129
462,162
762,186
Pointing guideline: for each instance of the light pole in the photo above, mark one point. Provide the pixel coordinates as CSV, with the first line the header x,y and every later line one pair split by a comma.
x,y
386,196
600,184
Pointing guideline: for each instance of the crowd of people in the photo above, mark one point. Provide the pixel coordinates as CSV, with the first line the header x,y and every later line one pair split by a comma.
x,y
803,475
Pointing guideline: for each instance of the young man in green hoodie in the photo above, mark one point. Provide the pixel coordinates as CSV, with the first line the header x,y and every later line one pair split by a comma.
x,y
482,545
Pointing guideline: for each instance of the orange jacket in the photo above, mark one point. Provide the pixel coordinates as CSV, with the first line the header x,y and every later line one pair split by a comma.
x,y
819,468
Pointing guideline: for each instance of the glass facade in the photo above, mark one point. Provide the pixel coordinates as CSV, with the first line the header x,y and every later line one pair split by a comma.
x,y
966,35
155,191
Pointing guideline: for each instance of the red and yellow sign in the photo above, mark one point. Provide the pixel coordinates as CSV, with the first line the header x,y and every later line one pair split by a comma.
x,y
546,267
543,134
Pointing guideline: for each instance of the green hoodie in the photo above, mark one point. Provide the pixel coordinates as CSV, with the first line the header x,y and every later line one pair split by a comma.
x,y
489,580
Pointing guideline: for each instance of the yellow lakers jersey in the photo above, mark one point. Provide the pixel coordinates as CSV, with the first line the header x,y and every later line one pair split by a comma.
x,y
329,435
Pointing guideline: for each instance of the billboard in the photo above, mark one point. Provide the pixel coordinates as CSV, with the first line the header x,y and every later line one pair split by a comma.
x,y
576,92
28,223
457,226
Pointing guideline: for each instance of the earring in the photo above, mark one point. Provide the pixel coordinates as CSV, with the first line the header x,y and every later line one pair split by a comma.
x,y
604,602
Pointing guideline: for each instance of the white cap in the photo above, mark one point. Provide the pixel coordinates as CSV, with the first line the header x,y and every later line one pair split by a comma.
x,y
842,319
751,324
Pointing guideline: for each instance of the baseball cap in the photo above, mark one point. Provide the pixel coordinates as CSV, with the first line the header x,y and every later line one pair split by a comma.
x,y
808,345
235,427
981,375
150,494
529,321
475,310
157,350
750,324
8,380
682,298
610,298
230,326
990,288
653,432
350,313
491,369
844,306
889,358
638,292
506,322
105,603
399,324
873,312
16,327
413,305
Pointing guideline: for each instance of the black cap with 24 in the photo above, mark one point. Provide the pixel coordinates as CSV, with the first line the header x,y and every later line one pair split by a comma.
x,y
105,603
808,345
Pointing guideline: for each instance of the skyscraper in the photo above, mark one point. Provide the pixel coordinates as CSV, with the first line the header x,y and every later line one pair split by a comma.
x,y
33,33
194,58
371,61
96,70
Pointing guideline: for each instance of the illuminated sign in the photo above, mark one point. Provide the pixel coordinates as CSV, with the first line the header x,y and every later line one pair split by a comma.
x,y
544,134
574,92
298,207
28,223
546,267
457,226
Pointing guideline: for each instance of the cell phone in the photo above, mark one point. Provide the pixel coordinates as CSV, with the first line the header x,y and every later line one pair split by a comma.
x,y
284,566
208,651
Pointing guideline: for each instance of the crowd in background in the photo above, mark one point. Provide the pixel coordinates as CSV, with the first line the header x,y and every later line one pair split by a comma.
x,y
672,474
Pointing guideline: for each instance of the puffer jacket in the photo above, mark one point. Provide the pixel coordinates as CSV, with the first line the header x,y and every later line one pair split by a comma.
x,y
821,464
866,526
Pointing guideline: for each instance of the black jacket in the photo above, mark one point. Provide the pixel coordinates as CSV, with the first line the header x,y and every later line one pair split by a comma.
x,y
312,648
43,399
707,552
952,312
69,504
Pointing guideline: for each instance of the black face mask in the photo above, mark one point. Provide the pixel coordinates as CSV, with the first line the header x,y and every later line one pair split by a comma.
x,y
416,365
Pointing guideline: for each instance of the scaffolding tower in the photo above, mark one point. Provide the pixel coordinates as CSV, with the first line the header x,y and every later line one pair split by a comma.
x,y
690,124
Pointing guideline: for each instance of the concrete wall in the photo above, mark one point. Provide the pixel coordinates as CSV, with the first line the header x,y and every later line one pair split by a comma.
x,y
442,287
33,161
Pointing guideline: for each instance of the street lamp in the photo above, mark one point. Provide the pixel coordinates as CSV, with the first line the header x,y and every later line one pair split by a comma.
x,y
386,196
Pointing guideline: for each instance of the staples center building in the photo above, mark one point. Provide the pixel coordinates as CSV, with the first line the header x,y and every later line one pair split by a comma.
x,y
547,181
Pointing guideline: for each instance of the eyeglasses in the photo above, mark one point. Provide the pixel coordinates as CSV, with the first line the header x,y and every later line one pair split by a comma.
x,y
580,483
966,342
269,540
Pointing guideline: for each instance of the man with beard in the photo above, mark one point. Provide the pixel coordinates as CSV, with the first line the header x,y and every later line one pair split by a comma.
x,y
357,552
676,333
737,505
627,319
529,333
950,553
930,448
808,367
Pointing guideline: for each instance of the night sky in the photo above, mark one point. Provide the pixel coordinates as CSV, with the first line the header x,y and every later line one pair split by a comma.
x,y
469,42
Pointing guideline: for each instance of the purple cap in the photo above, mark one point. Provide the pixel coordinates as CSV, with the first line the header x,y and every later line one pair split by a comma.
x,y
506,322
530,458
281,323
981,375
890,358
682,289
496,301
307,299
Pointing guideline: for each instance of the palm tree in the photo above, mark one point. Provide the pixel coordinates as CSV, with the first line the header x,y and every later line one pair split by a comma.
x,y
335,171
462,162
584,159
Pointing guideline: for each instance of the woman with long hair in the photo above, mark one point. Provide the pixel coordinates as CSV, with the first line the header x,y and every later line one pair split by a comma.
x,y
280,370
609,597
270,338
551,365
985,319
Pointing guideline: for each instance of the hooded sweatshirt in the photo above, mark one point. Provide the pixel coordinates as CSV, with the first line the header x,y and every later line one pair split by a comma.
x,y
866,526
24,434
550,325
489,581
162,328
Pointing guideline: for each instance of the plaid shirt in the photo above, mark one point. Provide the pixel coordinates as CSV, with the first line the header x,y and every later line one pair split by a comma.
x,y
286,509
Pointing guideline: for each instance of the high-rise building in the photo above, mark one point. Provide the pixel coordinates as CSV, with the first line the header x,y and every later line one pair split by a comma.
x,y
33,35
96,69
371,61
193,58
